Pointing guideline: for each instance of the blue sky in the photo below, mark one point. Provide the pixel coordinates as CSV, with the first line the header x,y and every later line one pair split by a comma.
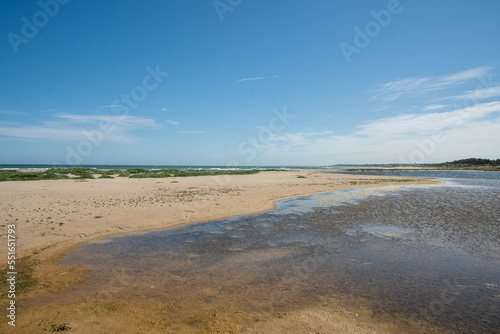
x,y
239,82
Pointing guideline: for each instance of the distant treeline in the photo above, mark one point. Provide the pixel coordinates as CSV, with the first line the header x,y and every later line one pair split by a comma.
x,y
462,164
474,162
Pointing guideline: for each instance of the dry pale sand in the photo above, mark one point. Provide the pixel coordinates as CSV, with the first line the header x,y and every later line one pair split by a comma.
x,y
52,217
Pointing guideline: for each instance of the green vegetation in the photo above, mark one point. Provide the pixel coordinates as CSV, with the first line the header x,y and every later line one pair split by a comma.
x,y
13,175
24,278
82,173
471,163
463,164
186,172
58,328
379,181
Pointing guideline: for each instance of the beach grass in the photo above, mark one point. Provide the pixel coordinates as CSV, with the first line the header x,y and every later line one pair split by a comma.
x,y
24,278
82,173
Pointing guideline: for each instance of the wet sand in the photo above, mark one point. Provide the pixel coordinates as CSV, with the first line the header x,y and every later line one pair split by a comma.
x,y
55,216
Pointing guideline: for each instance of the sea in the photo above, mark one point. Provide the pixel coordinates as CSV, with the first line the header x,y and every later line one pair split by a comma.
x,y
157,167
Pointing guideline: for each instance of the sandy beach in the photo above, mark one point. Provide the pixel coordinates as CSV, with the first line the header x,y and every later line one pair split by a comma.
x,y
52,217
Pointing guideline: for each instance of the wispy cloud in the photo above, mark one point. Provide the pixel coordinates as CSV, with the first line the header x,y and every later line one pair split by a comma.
x,y
119,121
72,127
414,86
435,107
192,131
259,78
37,133
251,79
111,106
11,112
479,94
470,131
424,124
172,122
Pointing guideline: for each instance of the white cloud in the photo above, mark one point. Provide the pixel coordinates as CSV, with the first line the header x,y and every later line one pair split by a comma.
x,y
72,127
435,107
11,112
394,90
119,121
477,94
259,78
192,131
172,122
251,79
57,134
111,106
408,124
164,109
469,131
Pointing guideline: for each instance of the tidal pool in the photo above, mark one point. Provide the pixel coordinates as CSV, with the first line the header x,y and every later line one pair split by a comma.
x,y
426,257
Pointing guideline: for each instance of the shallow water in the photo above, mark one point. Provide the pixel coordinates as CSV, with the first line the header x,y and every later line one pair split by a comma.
x,y
424,256
436,174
